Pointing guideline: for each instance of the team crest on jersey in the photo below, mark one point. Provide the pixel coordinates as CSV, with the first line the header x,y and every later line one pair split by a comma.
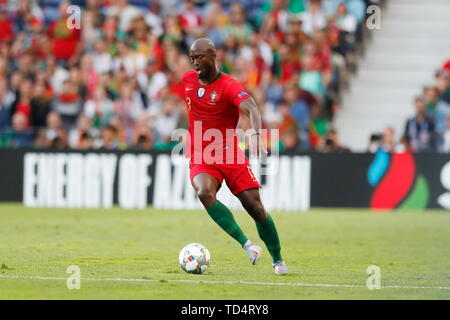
x,y
201,92
213,96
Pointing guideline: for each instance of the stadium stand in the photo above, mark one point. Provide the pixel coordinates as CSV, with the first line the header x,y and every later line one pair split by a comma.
x,y
404,55
115,82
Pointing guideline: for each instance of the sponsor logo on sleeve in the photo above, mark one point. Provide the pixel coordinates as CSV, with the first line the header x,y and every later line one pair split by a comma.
x,y
242,94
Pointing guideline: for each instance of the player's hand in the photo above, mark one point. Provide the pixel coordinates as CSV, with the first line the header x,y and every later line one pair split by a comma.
x,y
256,147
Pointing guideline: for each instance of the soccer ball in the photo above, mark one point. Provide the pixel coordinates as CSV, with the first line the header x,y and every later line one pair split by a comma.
x,y
194,258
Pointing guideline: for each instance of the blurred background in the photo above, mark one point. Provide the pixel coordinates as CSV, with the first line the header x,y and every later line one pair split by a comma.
x,y
317,72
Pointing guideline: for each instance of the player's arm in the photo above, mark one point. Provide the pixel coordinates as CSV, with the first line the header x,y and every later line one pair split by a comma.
x,y
249,108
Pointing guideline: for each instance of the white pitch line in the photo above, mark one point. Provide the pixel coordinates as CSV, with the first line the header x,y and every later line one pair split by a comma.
x,y
224,282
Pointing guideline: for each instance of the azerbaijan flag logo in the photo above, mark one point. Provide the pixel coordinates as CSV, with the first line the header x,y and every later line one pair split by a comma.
x,y
396,183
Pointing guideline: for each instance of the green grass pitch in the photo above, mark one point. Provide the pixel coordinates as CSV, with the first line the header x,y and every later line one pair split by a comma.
x,y
326,250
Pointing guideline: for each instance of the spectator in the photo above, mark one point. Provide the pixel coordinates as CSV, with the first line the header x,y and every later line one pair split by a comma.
x,y
53,135
374,143
347,25
129,106
91,19
55,74
152,81
173,31
431,95
445,66
6,100
26,66
443,85
300,112
128,60
344,20
142,135
318,126
68,104
166,122
22,104
3,64
88,76
271,33
357,8
388,141
109,139
331,143
40,105
215,22
100,109
266,108
111,34
279,14
82,137
20,135
65,42
82,80
190,18
271,86
6,26
239,29
404,146
25,13
283,121
260,52
445,147
311,79
329,7
314,18
15,80
119,131
102,60
125,12
290,62
419,129
442,108
289,141
153,18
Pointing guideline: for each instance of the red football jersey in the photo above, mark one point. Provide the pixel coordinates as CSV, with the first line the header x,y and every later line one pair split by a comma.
x,y
213,107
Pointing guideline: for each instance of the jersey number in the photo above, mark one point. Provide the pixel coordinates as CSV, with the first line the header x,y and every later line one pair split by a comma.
x,y
188,102
251,173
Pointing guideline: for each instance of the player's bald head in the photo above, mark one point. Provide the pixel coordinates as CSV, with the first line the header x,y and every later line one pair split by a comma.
x,y
203,45
203,58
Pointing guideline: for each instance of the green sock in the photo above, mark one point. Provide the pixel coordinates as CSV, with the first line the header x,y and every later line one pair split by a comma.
x,y
224,218
268,233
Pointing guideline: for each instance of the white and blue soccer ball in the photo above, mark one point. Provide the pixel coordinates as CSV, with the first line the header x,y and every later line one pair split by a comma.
x,y
194,258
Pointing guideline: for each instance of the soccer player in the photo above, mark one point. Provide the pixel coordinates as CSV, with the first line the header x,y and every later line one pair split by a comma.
x,y
214,101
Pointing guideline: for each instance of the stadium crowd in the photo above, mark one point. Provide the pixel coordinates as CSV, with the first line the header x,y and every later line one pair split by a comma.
x,y
428,130
114,82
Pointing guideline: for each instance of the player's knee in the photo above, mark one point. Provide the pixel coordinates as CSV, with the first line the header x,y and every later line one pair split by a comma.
x,y
206,196
257,211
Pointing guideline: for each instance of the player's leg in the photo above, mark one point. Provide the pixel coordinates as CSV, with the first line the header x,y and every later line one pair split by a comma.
x,y
251,201
206,187
244,185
